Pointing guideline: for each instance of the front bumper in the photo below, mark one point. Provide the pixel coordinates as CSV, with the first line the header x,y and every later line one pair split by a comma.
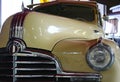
x,y
78,77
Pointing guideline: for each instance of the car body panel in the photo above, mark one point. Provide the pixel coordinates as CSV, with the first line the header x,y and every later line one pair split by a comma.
x,y
5,33
53,29
61,40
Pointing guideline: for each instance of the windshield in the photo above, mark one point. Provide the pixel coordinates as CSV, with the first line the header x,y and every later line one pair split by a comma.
x,y
78,12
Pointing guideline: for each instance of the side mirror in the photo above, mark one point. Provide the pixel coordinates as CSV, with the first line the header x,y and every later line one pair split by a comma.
x,y
105,17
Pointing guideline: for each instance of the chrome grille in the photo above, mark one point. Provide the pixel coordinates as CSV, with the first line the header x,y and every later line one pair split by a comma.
x,y
26,69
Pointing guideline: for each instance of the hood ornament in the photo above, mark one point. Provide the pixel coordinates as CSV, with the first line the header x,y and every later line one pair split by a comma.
x,y
22,6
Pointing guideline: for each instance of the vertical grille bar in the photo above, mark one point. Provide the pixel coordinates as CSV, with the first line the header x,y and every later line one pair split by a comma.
x,y
14,68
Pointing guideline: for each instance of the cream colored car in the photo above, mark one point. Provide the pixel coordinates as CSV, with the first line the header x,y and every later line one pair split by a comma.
x,y
59,41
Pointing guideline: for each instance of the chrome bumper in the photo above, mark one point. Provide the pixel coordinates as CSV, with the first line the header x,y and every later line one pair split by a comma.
x,y
78,77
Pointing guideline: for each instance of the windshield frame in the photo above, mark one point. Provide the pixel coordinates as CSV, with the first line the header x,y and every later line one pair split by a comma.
x,y
91,4
78,12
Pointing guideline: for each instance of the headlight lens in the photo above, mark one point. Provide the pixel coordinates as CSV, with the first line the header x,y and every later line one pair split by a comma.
x,y
100,57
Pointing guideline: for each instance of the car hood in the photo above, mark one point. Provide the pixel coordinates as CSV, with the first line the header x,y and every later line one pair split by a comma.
x,y
46,28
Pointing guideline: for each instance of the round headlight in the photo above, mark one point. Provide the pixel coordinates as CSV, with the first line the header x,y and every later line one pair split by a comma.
x,y
100,57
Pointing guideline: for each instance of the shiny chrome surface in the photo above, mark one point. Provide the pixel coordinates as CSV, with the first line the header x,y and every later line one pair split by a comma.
x,y
100,57
27,67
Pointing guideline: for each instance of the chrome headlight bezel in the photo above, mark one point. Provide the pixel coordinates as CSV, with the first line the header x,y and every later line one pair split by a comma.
x,y
100,57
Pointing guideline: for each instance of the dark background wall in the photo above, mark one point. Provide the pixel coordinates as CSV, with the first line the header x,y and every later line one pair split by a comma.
x,y
0,14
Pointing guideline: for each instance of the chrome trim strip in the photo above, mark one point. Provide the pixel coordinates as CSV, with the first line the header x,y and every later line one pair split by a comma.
x,y
32,69
24,76
30,62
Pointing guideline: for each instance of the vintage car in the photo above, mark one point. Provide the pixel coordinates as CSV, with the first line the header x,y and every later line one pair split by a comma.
x,y
59,41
